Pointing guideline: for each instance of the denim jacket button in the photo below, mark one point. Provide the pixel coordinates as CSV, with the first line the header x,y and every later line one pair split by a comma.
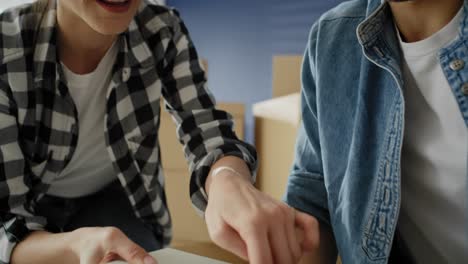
x,y
457,65
464,89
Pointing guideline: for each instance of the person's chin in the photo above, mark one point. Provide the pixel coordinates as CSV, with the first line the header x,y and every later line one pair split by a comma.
x,y
111,30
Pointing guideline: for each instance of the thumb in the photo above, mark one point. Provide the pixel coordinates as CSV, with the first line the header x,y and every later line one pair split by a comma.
x,y
308,231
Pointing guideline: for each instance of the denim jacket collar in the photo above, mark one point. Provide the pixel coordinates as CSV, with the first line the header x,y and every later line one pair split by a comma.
x,y
377,36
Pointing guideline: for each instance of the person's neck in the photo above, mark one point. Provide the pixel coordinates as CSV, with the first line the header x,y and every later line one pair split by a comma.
x,y
80,47
420,19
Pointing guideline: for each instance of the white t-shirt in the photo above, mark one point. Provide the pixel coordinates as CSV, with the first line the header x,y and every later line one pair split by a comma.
x,y
434,211
90,168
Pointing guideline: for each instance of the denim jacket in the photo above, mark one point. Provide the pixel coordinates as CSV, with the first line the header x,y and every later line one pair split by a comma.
x,y
348,155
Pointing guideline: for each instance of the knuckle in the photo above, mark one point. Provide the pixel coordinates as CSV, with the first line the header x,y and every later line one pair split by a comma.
x,y
248,234
311,222
297,256
135,252
314,244
255,220
251,230
111,234
217,233
286,210
276,212
110,256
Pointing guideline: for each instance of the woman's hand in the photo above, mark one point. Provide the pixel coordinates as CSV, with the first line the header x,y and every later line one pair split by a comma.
x,y
255,226
97,245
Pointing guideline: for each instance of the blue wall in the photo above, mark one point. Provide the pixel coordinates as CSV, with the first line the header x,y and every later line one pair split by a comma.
x,y
239,39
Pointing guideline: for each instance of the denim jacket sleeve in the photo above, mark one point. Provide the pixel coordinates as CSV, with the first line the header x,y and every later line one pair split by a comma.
x,y
306,190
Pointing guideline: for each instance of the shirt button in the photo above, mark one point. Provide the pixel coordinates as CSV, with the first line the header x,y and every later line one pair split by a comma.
x,y
464,89
457,65
125,74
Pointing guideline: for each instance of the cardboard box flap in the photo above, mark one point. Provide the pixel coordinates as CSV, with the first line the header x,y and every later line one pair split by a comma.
x,y
285,108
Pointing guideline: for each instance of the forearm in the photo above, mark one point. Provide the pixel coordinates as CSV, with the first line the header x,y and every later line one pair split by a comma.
x,y
232,162
43,247
326,253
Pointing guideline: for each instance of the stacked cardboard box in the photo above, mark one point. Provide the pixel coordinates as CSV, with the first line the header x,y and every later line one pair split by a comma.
x,y
276,124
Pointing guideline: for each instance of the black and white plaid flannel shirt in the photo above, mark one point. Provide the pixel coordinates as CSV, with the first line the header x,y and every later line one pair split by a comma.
x,y
39,123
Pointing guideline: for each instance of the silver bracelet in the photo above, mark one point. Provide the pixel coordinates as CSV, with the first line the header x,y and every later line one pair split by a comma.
x,y
225,168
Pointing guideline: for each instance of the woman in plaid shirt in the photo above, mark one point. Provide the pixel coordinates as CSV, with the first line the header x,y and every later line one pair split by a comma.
x,y
80,90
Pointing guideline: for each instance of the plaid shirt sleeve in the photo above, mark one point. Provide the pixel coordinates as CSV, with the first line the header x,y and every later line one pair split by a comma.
x,y
206,132
17,220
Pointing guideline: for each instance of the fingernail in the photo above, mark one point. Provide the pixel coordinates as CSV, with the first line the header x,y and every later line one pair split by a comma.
x,y
149,260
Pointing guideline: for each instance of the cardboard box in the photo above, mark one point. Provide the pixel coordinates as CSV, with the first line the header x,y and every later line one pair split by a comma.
x,y
187,224
286,74
276,124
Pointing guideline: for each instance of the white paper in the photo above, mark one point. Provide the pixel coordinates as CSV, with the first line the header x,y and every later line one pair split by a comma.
x,y
172,256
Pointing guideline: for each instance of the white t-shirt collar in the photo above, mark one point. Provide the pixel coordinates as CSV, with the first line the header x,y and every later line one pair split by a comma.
x,y
435,42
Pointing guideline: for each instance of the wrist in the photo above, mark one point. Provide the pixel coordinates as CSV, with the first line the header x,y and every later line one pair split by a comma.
x,y
58,248
223,177
229,173
228,169
74,242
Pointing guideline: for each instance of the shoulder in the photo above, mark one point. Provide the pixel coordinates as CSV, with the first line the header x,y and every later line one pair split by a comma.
x,y
17,29
342,20
335,30
163,30
334,48
154,18
348,9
